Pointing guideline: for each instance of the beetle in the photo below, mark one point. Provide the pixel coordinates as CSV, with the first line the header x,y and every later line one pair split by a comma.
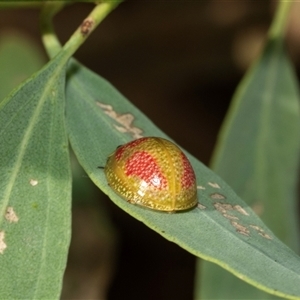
x,y
152,172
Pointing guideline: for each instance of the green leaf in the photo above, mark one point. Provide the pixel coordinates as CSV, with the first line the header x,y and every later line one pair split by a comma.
x,y
35,187
258,155
16,65
222,229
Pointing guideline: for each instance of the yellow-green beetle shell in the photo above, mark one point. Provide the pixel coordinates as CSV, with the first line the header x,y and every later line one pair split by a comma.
x,y
152,172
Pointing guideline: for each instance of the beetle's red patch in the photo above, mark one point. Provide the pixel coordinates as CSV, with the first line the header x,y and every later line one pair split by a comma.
x,y
120,150
188,178
144,166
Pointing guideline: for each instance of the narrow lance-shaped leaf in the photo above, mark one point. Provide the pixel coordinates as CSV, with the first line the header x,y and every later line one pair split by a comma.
x,y
35,179
258,155
222,229
35,187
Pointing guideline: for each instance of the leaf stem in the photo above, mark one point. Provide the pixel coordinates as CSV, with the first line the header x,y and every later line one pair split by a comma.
x,y
50,40
280,19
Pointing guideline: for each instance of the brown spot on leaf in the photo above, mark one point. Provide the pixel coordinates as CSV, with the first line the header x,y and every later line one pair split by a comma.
x,y
86,26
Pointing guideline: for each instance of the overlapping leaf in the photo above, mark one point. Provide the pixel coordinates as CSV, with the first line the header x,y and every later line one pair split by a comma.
x,y
258,155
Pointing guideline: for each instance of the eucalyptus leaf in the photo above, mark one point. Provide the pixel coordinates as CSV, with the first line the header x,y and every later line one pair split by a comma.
x,y
258,155
222,229
35,187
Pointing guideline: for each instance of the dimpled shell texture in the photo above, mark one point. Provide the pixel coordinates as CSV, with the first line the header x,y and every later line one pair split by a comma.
x,y
152,172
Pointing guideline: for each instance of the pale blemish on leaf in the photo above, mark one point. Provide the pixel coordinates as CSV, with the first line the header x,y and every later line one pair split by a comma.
x,y
217,196
240,210
125,120
261,232
200,187
230,217
33,182
214,185
265,235
201,206
223,207
3,245
240,228
11,215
